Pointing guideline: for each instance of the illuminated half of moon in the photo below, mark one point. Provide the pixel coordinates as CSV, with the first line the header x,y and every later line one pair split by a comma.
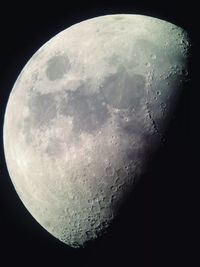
x,y
85,116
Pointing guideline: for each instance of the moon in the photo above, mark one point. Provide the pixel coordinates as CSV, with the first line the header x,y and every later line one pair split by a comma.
x,y
85,116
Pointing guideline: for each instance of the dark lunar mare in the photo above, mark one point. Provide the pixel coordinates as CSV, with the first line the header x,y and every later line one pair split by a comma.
x,y
88,111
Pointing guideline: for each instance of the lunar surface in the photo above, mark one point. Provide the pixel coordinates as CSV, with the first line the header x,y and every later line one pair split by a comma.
x,y
86,114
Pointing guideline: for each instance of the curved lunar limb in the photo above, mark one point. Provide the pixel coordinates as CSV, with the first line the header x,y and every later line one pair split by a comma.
x,y
85,115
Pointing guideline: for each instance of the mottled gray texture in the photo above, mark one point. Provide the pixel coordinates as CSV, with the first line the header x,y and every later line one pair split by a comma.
x,y
88,111
167,70
130,96
85,117
57,66
42,108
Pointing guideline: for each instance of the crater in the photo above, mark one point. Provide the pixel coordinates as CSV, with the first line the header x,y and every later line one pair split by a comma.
x,y
57,67
158,57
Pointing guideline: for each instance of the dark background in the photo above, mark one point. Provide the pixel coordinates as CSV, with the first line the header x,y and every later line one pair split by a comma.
x,y
155,224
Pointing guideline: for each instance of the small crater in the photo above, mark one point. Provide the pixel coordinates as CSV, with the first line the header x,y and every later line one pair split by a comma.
x,y
153,56
119,187
163,139
57,67
163,106
113,198
184,72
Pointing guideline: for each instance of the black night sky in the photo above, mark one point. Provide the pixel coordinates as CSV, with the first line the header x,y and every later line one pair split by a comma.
x,y
153,228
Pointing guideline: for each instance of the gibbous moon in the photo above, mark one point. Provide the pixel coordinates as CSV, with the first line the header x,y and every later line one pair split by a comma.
x,y
86,114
